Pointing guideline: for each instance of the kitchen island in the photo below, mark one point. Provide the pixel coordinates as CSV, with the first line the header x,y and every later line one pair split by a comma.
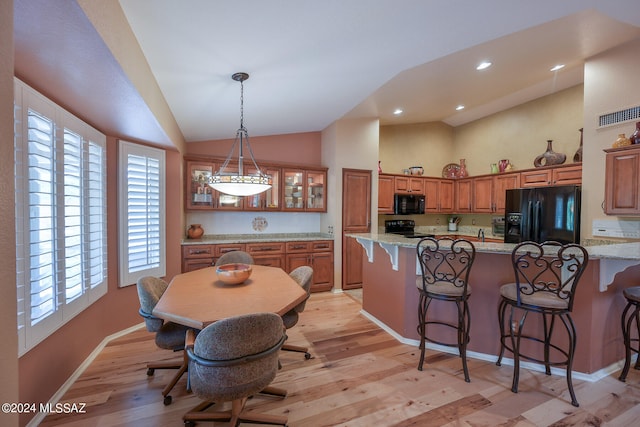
x,y
390,298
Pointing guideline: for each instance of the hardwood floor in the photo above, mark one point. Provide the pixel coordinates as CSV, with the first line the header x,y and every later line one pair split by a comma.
x,y
359,376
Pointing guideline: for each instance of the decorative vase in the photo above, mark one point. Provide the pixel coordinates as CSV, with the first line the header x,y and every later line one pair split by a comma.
x,y
195,231
577,158
622,141
635,136
462,172
379,167
549,157
502,165
494,168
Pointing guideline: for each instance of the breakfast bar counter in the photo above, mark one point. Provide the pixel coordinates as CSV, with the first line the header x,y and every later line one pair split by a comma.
x,y
390,297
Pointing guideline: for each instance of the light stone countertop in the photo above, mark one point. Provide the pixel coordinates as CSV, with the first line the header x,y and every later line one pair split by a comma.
x,y
620,251
214,239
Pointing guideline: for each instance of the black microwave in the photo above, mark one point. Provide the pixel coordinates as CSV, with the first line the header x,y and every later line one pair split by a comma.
x,y
408,204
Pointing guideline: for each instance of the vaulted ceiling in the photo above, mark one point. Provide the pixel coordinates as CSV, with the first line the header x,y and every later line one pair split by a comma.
x,y
314,62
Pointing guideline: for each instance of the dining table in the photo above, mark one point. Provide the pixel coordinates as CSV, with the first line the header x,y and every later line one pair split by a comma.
x,y
198,298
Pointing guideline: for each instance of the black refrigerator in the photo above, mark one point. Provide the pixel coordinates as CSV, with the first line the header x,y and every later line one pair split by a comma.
x,y
542,214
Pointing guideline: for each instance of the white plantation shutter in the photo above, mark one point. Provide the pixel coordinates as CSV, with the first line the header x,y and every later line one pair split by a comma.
x,y
61,224
142,212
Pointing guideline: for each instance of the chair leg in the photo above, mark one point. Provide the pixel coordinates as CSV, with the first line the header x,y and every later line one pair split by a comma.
x,y
464,325
298,349
571,331
183,368
502,308
516,335
626,334
422,316
235,416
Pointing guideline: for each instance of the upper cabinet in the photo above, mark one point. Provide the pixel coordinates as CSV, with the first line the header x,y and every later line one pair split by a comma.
x,y
559,175
408,184
438,195
292,189
304,190
622,181
385,193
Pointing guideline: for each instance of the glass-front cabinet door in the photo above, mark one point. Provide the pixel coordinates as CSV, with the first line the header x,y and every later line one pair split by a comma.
x,y
304,190
199,194
268,200
227,202
315,191
293,190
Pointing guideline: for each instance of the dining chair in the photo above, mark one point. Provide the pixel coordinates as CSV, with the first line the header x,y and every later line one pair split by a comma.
x,y
445,264
169,335
303,276
546,279
233,257
630,319
231,360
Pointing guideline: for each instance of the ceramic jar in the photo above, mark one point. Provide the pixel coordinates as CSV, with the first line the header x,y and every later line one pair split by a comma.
x,y
195,231
549,157
622,141
635,136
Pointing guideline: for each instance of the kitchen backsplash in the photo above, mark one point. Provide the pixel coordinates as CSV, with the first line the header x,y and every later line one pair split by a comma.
x,y
255,222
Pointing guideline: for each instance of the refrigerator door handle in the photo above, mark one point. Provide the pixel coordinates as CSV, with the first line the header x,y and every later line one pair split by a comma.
x,y
536,221
525,231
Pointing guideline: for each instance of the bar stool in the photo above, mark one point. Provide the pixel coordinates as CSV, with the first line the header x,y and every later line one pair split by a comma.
x,y
629,316
445,264
546,278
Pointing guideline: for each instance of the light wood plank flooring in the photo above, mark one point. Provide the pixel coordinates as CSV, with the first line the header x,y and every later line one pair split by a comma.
x,y
359,376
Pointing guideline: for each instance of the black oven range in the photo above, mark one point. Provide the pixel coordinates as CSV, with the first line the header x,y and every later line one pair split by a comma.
x,y
403,227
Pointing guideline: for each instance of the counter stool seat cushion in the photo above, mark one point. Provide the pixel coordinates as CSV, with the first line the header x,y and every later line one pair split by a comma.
x,y
443,288
537,299
632,294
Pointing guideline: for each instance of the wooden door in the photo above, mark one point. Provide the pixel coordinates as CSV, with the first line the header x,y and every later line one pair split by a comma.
x,y
445,196
385,194
356,218
502,184
464,197
622,182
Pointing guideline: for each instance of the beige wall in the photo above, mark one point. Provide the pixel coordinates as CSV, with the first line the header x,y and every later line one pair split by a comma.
x,y
8,336
521,133
429,145
610,84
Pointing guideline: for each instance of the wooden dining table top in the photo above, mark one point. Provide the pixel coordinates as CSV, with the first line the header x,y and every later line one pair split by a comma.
x,y
197,298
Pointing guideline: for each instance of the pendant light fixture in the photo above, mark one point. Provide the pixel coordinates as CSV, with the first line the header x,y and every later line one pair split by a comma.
x,y
238,183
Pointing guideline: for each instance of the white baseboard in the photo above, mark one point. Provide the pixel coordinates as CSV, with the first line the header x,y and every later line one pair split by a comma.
x,y
593,377
83,366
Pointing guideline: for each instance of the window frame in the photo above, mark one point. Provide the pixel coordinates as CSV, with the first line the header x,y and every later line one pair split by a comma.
x,y
31,331
126,277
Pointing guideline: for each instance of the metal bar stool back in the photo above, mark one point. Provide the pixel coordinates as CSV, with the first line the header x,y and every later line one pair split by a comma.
x,y
445,264
546,278
630,317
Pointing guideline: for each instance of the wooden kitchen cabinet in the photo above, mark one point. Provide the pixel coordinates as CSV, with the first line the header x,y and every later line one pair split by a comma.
x,y
483,195
385,194
464,195
199,195
318,254
270,254
267,200
622,181
438,195
304,190
195,257
502,183
553,175
407,184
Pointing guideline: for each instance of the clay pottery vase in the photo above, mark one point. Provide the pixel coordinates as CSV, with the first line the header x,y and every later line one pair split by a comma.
x,y
635,136
502,165
577,158
462,172
195,231
549,157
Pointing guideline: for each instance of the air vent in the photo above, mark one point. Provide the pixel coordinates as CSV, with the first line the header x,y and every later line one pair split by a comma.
x,y
617,117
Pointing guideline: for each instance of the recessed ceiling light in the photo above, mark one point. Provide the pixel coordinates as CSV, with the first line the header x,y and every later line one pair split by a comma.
x,y
557,67
397,111
460,107
483,65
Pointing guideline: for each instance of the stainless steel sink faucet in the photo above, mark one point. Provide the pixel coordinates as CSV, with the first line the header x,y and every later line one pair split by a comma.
x,y
481,235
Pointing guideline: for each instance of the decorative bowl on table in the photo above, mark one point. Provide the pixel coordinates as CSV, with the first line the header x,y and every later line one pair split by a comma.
x,y
233,274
